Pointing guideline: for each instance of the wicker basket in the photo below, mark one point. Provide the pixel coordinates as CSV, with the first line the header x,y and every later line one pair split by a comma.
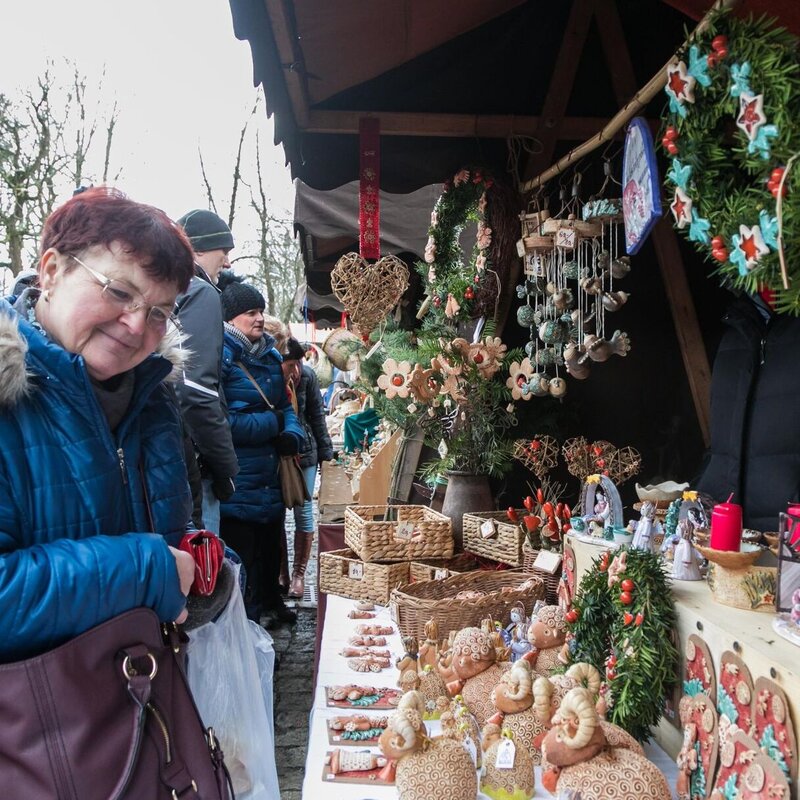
x,y
550,580
504,546
339,572
397,533
417,603
436,569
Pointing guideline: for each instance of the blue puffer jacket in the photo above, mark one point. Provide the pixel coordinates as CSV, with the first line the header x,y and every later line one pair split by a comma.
x,y
71,493
254,428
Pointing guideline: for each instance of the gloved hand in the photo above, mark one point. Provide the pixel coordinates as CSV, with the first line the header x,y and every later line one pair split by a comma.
x,y
223,488
287,445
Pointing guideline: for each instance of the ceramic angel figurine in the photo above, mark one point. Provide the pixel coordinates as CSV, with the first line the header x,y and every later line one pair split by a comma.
x,y
643,536
684,563
601,514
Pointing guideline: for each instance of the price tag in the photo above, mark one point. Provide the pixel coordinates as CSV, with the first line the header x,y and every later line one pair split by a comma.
x,y
566,238
440,574
548,561
521,248
404,531
471,748
534,265
506,755
488,529
442,449
394,612
355,570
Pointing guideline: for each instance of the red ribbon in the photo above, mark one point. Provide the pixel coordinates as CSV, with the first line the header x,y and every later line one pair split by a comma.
x,y
369,204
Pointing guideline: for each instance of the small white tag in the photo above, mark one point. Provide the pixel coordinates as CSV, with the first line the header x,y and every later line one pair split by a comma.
x,y
355,570
548,561
488,529
534,265
331,776
506,755
337,738
521,248
374,349
394,612
469,746
566,238
440,574
442,448
404,531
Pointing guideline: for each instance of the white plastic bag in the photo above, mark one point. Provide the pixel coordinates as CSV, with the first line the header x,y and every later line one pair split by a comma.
x,y
229,668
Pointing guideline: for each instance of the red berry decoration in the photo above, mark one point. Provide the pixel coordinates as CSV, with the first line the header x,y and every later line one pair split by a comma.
x,y
572,616
469,294
476,279
611,674
720,254
627,617
612,660
718,242
711,60
719,42
528,503
437,301
672,149
627,585
603,562
671,133
639,619
397,380
626,598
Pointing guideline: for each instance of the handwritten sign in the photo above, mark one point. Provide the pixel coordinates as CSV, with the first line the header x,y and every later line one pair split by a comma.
x,y
355,570
548,561
641,198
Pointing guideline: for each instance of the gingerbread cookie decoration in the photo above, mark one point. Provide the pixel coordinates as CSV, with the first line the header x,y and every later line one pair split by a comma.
x,y
697,759
746,773
772,726
700,675
735,692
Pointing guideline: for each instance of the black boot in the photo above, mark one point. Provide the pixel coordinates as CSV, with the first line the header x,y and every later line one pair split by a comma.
x,y
282,614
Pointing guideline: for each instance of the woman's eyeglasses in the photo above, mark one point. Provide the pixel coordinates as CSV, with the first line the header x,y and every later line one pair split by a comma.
x,y
128,299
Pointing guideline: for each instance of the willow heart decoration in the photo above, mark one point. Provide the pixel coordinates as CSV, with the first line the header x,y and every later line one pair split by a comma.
x,y
368,291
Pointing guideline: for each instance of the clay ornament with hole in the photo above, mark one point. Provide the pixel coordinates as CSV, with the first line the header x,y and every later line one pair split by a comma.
x,y
697,759
745,773
700,675
772,726
735,692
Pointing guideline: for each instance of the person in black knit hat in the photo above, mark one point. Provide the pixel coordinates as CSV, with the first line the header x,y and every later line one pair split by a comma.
x,y
203,408
264,427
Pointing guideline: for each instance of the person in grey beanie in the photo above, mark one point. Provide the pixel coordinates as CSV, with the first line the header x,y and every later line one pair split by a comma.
x,y
199,315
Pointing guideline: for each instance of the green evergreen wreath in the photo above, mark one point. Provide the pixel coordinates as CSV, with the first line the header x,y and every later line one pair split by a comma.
x,y
448,280
625,630
733,132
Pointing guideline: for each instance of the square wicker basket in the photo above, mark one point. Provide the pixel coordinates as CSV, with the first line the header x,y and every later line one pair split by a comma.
x,y
342,572
415,604
551,580
436,569
505,545
397,533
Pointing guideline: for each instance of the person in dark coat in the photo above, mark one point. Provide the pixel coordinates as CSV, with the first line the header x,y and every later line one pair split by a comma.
x,y
92,477
264,428
315,449
199,314
755,413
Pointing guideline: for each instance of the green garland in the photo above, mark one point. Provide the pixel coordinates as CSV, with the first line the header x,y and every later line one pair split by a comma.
x,y
738,70
448,280
631,642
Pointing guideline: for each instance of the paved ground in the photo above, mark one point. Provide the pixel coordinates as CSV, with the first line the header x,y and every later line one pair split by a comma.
x,y
294,656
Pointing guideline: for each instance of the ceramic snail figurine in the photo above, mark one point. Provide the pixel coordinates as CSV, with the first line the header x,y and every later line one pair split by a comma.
x,y
547,634
507,767
429,650
598,349
439,767
583,755
477,671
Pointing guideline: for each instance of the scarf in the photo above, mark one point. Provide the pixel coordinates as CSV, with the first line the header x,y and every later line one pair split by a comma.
x,y
253,349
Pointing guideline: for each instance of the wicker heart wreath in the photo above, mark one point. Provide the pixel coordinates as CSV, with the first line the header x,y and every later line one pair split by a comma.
x,y
368,291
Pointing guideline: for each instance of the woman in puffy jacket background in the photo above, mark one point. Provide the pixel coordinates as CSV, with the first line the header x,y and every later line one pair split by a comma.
x,y
91,455
264,427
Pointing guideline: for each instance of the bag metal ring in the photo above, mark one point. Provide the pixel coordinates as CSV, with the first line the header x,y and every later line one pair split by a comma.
x,y
128,670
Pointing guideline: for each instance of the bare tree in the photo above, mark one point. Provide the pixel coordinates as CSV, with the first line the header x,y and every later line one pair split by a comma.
x,y
46,140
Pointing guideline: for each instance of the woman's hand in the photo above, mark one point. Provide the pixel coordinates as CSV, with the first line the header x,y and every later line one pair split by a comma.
x,y
184,563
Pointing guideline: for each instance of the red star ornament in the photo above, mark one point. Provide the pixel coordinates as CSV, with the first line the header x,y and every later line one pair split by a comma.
x,y
751,114
752,245
680,83
681,208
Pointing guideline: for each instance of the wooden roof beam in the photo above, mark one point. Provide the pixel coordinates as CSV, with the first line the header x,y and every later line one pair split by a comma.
x,y
484,126
290,55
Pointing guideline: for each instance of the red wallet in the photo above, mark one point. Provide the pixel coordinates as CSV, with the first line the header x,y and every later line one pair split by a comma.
x,y
207,550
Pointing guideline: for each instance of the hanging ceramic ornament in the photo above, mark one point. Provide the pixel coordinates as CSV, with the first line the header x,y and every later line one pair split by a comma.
x,y
772,726
697,759
746,773
734,693
681,208
680,87
751,114
700,677
748,248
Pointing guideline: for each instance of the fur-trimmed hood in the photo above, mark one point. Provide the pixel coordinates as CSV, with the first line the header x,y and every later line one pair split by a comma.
x,y
16,379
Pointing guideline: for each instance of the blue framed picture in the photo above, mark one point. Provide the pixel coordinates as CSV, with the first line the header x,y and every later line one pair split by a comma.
x,y
641,188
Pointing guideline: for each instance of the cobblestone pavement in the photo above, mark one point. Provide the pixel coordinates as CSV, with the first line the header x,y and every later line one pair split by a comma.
x,y
294,692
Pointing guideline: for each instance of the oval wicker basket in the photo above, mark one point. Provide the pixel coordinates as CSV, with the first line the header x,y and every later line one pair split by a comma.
x,y
413,605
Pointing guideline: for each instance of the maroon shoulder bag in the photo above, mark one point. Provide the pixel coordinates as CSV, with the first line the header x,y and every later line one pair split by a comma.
x,y
107,716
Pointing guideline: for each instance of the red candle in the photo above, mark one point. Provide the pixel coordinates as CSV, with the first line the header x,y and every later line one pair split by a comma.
x,y
726,527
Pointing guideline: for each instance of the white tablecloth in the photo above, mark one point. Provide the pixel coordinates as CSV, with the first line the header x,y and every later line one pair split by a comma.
x,y
333,671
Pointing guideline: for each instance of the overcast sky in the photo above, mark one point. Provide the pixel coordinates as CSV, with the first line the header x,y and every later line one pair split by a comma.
x,y
180,76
